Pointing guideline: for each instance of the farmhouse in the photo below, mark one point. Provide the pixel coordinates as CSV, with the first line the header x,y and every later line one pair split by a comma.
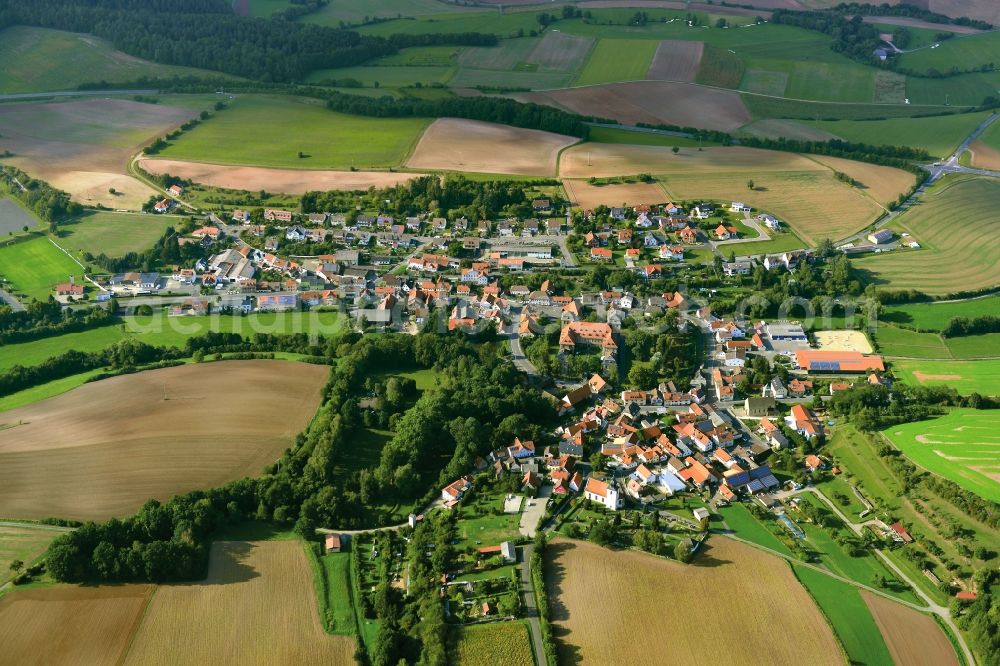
x,y
456,489
603,493
803,421
588,333
815,360
162,206
69,289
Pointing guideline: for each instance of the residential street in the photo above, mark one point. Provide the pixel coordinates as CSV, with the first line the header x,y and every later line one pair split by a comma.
x,y
530,605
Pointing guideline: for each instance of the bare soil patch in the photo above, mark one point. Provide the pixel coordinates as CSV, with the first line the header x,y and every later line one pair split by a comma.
x,y
654,102
593,592
258,601
676,60
289,181
469,145
843,341
84,146
913,638
983,156
103,449
584,195
70,625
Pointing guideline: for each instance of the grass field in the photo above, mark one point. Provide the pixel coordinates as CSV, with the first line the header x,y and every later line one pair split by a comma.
x,y
963,446
496,644
614,135
13,218
164,331
34,266
258,601
781,242
764,106
352,12
912,637
269,131
114,234
41,60
746,526
22,543
962,52
615,60
935,316
47,390
335,591
847,612
947,221
589,585
151,435
938,135
966,377
93,624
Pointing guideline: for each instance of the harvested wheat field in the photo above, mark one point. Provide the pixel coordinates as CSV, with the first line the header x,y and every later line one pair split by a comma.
x,y
676,60
451,144
653,102
883,184
584,195
984,157
843,341
103,449
593,591
288,181
913,638
798,189
258,601
70,625
83,146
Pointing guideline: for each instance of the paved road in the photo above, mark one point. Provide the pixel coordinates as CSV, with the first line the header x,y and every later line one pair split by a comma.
x,y
521,361
11,300
530,605
534,509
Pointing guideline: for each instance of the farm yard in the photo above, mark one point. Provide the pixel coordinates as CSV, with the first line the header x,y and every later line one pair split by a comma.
x,y
93,625
33,266
966,377
259,601
911,636
272,131
83,146
946,222
762,593
494,644
451,144
151,435
288,181
586,196
963,446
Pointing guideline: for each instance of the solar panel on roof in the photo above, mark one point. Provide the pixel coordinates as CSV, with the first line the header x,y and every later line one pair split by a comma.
x,y
824,365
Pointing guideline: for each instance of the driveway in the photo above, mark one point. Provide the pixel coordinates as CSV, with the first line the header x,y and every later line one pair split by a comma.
x,y
534,509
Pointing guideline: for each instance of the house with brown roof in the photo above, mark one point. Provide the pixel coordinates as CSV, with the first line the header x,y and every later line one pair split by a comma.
x,y
585,333
332,543
804,421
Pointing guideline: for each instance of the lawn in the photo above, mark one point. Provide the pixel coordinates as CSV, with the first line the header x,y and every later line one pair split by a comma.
x,y
272,131
847,613
946,222
746,526
34,266
614,60
22,543
935,316
938,135
966,377
780,242
114,234
335,587
38,59
495,644
962,446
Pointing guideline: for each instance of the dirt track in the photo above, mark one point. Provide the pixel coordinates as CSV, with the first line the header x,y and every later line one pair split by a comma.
x,y
103,449
288,181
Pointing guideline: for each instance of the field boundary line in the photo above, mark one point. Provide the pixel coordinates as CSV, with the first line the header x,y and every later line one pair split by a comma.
x,y
78,263
829,622
137,624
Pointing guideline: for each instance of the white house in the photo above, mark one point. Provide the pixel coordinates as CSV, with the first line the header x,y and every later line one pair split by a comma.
x,y
739,207
775,389
603,493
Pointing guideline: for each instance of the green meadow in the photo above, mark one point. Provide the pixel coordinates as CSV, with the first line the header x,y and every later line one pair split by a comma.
x,y
966,377
935,316
903,342
114,234
272,131
963,53
962,446
34,266
617,60
938,135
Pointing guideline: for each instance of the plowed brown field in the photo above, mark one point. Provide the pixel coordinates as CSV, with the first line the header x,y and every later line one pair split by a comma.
x,y
913,638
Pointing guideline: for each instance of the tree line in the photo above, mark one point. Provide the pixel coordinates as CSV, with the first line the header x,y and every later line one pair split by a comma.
x,y
255,48
962,326
48,203
45,319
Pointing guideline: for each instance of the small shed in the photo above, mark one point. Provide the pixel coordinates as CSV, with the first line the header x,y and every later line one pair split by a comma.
x,y
332,543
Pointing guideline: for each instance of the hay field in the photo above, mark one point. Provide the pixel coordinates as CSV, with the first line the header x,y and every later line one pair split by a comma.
x,y
676,60
843,341
593,591
22,543
652,102
288,181
258,600
494,644
114,234
963,446
796,188
450,144
984,156
883,184
103,449
913,638
584,195
83,146
70,625
947,222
